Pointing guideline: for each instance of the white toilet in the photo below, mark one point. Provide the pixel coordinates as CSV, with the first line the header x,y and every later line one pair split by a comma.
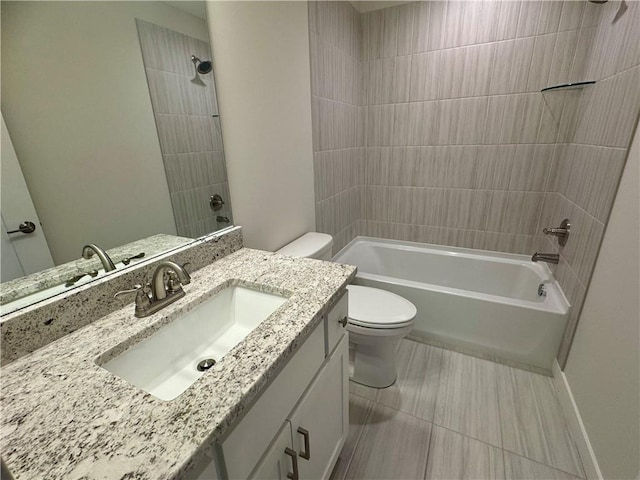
x,y
378,319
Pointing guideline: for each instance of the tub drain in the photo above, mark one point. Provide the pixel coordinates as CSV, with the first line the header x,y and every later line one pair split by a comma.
x,y
205,364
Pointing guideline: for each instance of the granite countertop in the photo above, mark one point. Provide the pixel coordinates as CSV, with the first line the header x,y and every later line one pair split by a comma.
x,y
27,285
63,416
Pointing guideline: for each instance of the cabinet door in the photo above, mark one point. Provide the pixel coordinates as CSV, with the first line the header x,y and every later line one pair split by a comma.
x,y
321,420
247,442
279,461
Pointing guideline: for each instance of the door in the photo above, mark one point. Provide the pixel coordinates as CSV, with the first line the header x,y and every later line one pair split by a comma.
x,y
30,250
320,423
11,267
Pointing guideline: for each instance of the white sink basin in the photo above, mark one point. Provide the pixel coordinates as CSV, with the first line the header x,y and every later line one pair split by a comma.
x,y
165,364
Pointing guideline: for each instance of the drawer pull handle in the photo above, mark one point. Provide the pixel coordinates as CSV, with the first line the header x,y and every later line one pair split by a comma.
x,y
294,463
307,450
343,322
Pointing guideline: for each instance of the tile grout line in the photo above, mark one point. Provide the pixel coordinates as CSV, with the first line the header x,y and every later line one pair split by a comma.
x,y
362,430
426,464
543,464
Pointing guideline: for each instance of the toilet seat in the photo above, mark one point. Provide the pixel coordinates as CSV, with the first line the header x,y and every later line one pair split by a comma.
x,y
374,308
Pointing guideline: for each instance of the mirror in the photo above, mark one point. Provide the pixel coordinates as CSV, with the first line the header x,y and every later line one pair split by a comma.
x,y
112,135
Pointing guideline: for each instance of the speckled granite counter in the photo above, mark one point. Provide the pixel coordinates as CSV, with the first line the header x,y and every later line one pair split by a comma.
x,y
23,286
63,416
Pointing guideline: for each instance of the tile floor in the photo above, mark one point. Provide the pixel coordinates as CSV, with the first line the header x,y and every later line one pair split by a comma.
x,y
453,416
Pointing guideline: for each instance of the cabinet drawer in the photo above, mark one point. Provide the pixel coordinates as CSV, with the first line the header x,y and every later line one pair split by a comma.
x,y
247,442
334,322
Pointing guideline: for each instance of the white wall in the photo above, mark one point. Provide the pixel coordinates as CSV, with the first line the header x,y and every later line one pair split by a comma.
x,y
603,369
81,118
261,66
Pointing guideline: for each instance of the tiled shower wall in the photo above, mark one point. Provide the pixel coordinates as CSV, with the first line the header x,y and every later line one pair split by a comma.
x,y
338,97
186,114
460,142
594,144
462,148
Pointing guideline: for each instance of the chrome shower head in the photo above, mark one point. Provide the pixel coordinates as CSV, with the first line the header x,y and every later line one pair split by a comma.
x,y
202,67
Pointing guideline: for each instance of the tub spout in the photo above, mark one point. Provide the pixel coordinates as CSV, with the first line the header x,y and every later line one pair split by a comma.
x,y
545,257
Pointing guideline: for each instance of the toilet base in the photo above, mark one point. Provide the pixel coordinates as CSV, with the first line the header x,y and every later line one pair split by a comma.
x,y
374,365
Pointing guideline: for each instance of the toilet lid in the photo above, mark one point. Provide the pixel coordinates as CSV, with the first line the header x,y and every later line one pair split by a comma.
x,y
376,308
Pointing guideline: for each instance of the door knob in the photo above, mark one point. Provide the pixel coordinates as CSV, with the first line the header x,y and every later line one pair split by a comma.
x,y
25,227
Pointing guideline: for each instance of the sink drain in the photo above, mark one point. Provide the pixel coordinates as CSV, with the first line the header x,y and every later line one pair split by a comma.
x,y
205,364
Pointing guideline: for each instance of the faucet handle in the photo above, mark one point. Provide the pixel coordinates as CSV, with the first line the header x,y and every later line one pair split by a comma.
x,y
173,283
562,232
142,297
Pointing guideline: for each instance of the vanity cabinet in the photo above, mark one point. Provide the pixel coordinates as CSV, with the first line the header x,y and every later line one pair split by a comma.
x,y
297,427
310,440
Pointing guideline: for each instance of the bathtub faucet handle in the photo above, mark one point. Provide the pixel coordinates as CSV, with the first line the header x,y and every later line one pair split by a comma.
x,y
562,232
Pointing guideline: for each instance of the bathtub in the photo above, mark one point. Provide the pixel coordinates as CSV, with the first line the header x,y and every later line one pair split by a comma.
x,y
483,302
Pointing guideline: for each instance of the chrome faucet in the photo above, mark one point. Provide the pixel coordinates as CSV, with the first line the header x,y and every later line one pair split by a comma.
x,y
545,257
164,289
89,250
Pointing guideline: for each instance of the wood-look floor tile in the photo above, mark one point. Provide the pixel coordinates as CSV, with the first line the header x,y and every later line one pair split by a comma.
x,y
416,388
520,468
359,409
452,455
393,445
532,421
467,398
362,390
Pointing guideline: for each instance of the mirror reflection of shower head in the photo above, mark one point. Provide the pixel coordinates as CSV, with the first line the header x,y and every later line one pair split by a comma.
x,y
202,67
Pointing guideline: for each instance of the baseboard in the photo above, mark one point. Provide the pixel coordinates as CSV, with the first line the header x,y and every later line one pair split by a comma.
x,y
579,432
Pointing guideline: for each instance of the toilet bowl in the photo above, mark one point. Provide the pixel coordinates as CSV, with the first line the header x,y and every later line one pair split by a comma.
x,y
377,321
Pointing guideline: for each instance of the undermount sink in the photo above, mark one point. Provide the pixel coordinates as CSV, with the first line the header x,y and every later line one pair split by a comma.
x,y
172,359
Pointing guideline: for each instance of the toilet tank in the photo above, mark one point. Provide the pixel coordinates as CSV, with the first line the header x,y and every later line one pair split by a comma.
x,y
310,245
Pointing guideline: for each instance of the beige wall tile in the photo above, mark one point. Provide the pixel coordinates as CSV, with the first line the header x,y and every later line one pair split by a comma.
x,y
550,16
543,49
529,17
508,19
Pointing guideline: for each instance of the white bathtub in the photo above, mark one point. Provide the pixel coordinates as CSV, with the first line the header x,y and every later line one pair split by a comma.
x,y
486,302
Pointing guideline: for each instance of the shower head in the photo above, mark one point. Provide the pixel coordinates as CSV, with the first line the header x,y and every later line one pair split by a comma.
x,y
202,67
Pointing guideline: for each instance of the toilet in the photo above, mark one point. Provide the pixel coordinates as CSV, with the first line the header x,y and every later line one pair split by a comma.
x,y
378,319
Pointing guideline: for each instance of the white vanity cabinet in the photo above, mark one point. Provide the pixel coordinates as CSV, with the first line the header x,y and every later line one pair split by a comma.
x,y
297,427
320,422
309,443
